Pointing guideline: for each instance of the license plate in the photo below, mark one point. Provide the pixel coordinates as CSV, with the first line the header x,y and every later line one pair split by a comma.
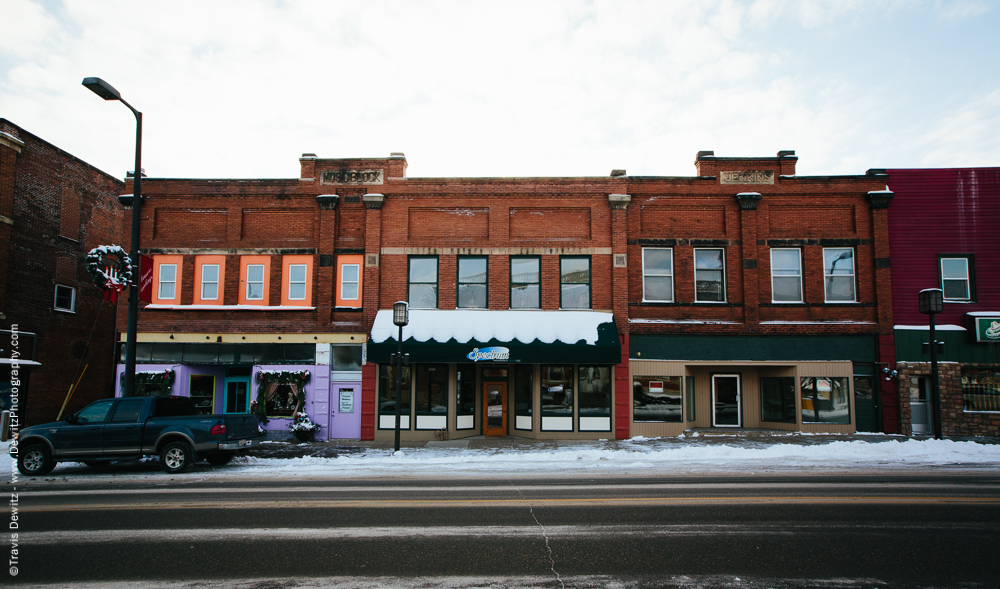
x,y
245,442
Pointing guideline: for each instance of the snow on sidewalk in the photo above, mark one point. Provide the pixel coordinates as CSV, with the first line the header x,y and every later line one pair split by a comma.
x,y
636,456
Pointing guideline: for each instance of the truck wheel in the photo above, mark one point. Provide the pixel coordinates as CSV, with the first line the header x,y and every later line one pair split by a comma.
x,y
35,460
175,457
220,458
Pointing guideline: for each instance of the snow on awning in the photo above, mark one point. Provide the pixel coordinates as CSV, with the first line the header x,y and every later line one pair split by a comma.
x,y
577,337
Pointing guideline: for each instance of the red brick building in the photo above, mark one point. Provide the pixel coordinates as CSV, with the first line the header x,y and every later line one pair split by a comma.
x,y
744,296
54,208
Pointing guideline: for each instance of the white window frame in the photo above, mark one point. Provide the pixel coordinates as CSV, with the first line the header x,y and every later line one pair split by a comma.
x,y
344,281
802,293
72,299
263,269
160,282
694,260
205,282
968,278
645,273
853,275
304,282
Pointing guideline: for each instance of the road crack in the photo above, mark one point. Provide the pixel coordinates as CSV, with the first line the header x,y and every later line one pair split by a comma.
x,y
552,560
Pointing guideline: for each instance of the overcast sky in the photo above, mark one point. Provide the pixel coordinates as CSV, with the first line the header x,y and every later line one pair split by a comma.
x,y
241,89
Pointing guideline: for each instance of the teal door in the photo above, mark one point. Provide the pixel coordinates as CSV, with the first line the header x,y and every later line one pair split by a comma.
x,y
237,395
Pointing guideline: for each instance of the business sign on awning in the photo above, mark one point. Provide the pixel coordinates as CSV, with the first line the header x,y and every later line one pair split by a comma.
x,y
988,329
529,337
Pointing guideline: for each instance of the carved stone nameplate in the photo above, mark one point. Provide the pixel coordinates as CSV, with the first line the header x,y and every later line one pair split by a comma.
x,y
747,177
351,177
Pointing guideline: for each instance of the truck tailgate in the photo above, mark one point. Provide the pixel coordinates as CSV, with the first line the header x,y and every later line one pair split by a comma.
x,y
241,426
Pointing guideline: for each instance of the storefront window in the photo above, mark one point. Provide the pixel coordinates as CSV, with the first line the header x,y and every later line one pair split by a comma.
x,y
777,399
595,390
283,401
523,397
432,389
656,398
981,388
202,393
825,400
689,383
557,390
465,402
387,390
346,358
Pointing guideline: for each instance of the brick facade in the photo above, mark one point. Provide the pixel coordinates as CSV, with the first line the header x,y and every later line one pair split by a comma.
x,y
955,421
54,208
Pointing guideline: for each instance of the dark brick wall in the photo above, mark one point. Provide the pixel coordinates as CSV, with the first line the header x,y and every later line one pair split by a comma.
x,y
46,247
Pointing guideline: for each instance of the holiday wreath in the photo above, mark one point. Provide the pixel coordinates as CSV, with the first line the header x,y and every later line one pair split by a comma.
x,y
120,276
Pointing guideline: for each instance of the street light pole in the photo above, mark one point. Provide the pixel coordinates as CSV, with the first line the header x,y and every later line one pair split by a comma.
x,y
107,92
400,316
931,302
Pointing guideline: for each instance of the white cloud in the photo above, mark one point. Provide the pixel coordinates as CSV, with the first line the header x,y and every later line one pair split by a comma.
x,y
240,89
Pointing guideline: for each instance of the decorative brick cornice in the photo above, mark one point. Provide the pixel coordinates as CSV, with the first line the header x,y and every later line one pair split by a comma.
x,y
619,201
748,200
8,140
373,201
327,202
879,199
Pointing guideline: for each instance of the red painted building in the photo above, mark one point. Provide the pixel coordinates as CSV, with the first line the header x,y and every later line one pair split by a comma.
x,y
942,233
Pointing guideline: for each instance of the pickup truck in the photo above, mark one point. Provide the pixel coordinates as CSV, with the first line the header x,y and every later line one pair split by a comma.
x,y
131,427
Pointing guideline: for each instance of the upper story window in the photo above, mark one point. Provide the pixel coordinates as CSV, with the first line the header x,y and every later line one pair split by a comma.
x,y
349,281
255,282
65,299
472,276
422,290
574,282
255,279
786,275
209,279
838,275
296,288
709,276
525,282
658,274
167,274
956,277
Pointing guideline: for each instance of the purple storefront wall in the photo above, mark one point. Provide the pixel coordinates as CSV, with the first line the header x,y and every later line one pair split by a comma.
x,y
317,392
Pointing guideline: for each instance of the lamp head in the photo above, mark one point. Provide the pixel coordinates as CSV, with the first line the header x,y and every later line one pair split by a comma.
x,y
401,313
931,301
102,88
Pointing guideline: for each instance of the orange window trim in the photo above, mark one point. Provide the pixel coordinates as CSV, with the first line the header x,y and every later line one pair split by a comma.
x,y
286,263
254,260
347,261
199,262
178,261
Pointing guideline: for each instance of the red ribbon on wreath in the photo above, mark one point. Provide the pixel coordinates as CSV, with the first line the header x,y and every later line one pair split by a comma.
x,y
111,290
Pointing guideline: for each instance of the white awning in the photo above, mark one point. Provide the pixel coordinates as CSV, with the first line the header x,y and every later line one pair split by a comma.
x,y
463,326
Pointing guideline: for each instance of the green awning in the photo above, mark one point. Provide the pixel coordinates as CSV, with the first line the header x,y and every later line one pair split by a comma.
x,y
499,337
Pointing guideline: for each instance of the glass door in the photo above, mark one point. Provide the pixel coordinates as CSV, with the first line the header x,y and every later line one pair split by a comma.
x,y
726,400
495,405
237,395
920,415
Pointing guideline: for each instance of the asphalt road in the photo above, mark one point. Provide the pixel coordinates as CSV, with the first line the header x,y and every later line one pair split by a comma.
x,y
919,530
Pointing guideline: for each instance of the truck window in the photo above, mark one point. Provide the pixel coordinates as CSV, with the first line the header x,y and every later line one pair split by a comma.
x,y
173,407
95,412
127,410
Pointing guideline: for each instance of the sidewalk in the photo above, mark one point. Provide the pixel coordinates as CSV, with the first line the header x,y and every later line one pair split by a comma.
x,y
750,439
